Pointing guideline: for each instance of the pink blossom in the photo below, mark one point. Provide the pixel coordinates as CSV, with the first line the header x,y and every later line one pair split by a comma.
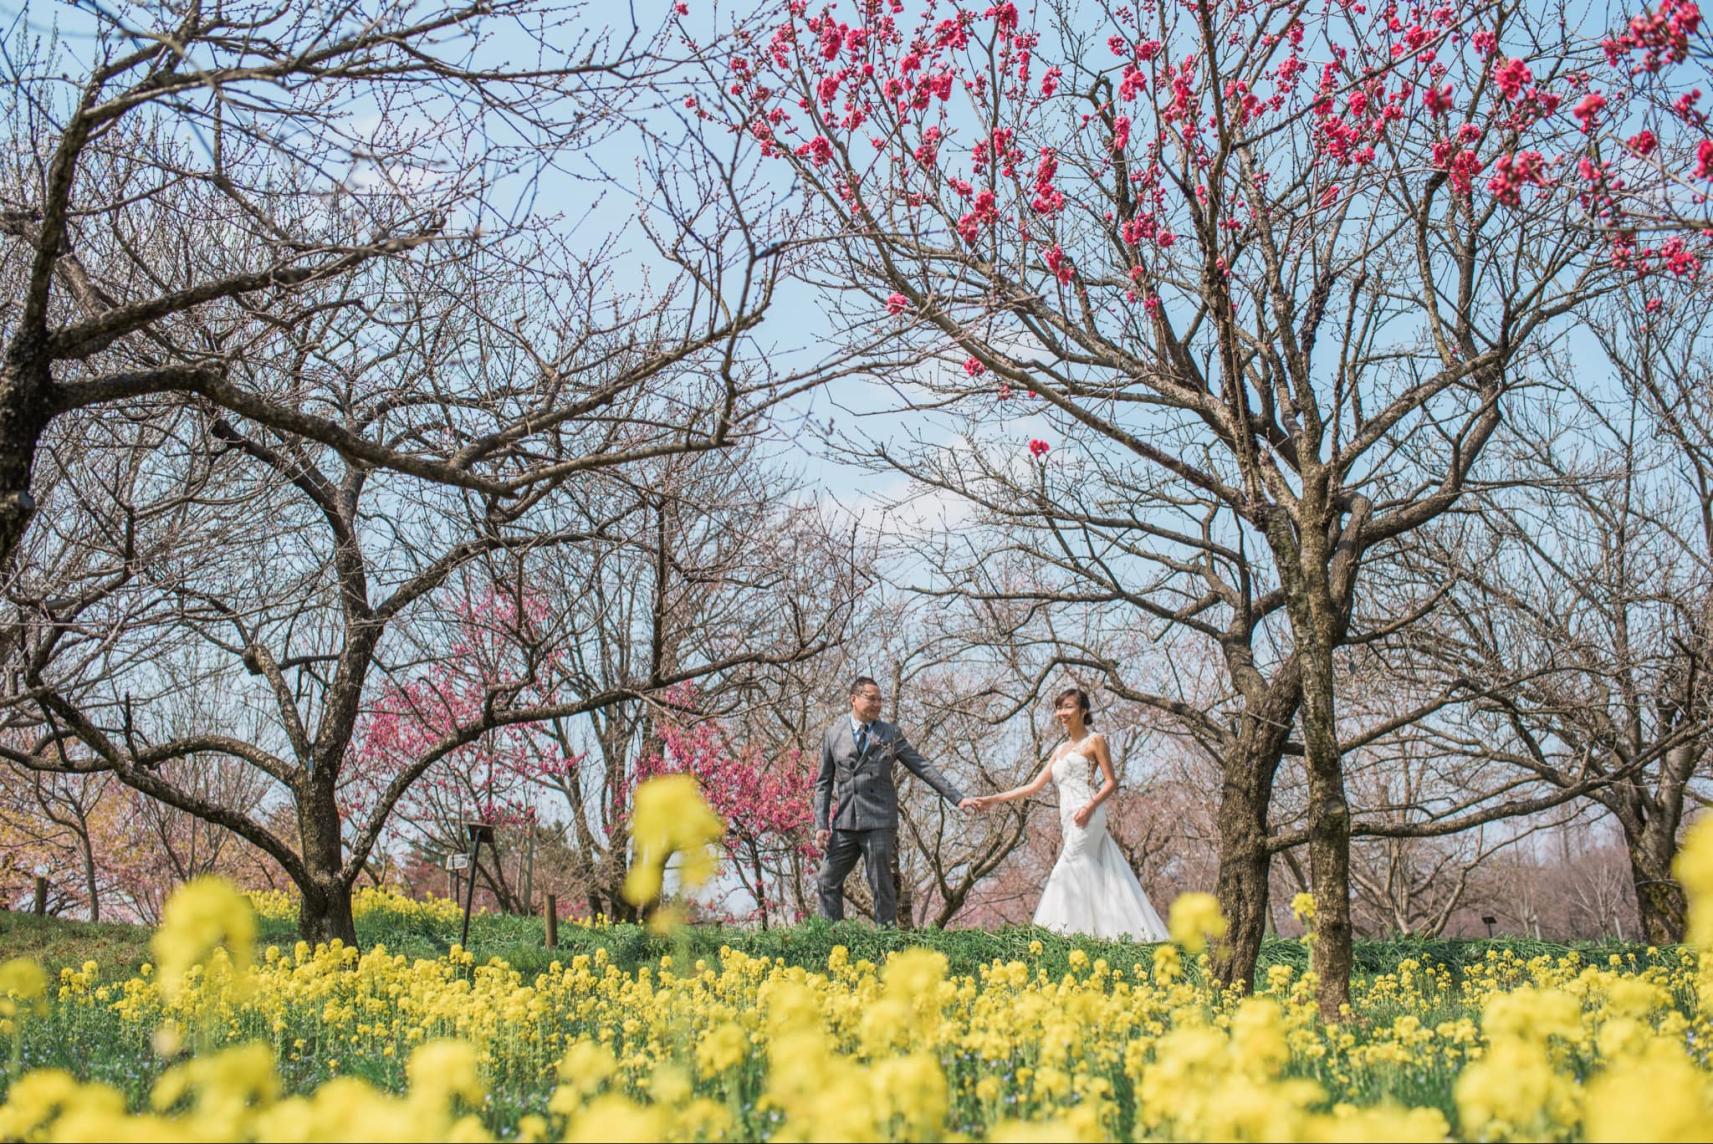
x,y
1061,266
1704,159
982,212
1678,258
926,151
973,367
1136,229
1460,166
1038,448
1132,83
1437,100
761,798
1512,76
1588,109
896,303
1048,200
818,150
1642,143
1661,36
1004,16
1512,173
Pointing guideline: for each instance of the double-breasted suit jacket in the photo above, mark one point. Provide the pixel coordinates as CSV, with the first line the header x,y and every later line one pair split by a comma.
x,y
856,791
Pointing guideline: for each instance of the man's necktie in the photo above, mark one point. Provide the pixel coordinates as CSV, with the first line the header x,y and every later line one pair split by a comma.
x,y
862,740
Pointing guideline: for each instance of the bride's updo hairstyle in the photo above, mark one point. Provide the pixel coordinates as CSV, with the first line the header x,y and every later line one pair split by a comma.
x,y
1081,697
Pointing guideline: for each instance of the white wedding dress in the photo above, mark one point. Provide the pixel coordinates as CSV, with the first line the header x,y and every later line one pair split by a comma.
x,y
1092,889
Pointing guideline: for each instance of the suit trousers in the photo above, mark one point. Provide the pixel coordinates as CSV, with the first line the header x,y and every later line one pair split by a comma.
x,y
875,848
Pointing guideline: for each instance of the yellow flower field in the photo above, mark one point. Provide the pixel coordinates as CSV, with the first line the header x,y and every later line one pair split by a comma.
x,y
331,1043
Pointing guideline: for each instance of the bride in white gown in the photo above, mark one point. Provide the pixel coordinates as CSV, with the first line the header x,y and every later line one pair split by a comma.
x,y
1092,889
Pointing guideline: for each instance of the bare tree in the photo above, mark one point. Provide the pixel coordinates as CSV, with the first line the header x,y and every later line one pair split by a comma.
x,y
1584,623
53,823
248,553
708,562
214,174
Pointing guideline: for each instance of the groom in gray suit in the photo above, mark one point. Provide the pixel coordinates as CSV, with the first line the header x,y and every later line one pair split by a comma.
x,y
856,803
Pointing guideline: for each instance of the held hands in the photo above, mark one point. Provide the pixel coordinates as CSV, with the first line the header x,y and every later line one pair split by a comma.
x,y
980,802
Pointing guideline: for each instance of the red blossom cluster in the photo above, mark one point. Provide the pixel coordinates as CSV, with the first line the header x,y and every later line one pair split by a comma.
x,y
1661,37
1373,92
1061,266
1514,172
1587,111
1461,165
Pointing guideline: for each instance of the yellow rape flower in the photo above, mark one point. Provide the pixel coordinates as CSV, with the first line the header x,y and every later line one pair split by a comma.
x,y
1195,919
1654,1094
671,818
723,1047
203,915
22,979
447,1068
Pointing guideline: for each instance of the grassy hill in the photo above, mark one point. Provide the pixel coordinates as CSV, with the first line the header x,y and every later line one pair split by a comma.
x,y
120,949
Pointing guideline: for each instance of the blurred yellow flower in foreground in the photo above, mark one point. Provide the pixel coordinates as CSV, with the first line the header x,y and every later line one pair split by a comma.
x,y
1195,921
204,915
671,818
22,979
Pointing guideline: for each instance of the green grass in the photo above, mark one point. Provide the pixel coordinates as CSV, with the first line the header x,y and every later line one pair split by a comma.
x,y
55,943
120,949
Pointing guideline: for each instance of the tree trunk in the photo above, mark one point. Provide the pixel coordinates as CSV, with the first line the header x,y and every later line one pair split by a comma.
x,y
324,911
760,884
1304,554
1245,863
1659,897
90,878
23,416
1329,834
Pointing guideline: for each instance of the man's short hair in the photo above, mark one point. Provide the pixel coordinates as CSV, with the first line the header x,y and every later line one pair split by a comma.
x,y
863,681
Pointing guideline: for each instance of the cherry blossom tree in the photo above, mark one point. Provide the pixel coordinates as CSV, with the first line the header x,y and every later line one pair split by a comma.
x,y
761,798
498,777
1292,259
